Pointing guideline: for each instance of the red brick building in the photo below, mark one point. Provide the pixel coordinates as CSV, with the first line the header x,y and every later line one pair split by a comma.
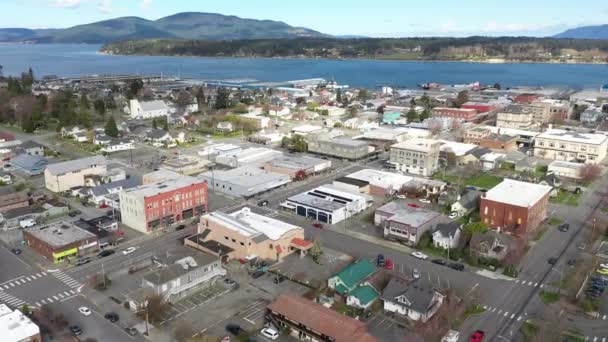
x,y
499,142
526,98
480,107
455,113
515,207
158,205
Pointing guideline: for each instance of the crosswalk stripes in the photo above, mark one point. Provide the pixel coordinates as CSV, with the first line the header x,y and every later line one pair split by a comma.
x,y
66,279
11,300
22,280
502,313
57,297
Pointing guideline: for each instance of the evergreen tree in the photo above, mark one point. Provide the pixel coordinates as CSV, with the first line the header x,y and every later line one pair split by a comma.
x,y
27,124
111,130
222,99
339,95
100,107
424,115
411,115
84,101
154,124
166,125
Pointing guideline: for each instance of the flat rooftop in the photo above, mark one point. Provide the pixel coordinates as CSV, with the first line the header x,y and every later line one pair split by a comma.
x,y
346,142
584,138
15,326
299,162
459,149
382,179
417,144
521,194
164,186
327,198
402,213
248,176
250,224
60,234
75,165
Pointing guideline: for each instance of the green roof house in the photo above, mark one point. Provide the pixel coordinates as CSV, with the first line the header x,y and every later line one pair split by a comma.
x,y
362,297
351,276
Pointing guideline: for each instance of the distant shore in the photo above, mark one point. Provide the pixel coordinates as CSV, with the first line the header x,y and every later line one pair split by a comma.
x,y
388,58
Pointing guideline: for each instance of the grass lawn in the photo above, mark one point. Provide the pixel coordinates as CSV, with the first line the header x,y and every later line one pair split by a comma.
x,y
484,180
566,197
529,330
549,297
554,221
445,177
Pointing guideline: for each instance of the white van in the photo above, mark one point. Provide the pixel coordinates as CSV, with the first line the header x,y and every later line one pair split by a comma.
x,y
27,223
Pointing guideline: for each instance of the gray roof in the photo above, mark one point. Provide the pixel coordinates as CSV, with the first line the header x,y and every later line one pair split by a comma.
x,y
248,177
448,229
315,202
175,270
419,293
123,184
61,234
480,151
31,144
517,109
156,134
470,199
75,165
29,162
413,217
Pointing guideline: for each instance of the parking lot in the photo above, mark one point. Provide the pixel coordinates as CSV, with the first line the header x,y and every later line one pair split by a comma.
x,y
192,302
305,270
389,328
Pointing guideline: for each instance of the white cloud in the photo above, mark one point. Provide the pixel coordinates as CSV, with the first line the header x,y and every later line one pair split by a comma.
x,y
66,3
105,6
146,4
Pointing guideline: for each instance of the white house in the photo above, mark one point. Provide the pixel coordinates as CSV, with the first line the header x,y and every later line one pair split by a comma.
x,y
117,145
415,300
447,235
148,109
278,111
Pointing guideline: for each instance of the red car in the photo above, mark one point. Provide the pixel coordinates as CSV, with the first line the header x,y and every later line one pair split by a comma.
x,y
103,206
413,205
477,336
388,264
318,225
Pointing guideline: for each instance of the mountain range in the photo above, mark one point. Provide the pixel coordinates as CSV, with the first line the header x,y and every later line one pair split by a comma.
x,y
187,25
200,26
585,32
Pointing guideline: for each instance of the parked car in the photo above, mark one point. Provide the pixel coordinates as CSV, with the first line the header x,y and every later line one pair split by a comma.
x,y
388,264
604,265
129,250
456,266
401,196
380,261
257,274
317,225
106,253
563,227
231,283
453,215
416,273
84,311
413,205
582,246
75,330
552,261
16,251
234,329
131,331
419,255
270,333
112,317
602,271
477,336
278,279
180,227
262,203
439,262
83,261
424,200
72,214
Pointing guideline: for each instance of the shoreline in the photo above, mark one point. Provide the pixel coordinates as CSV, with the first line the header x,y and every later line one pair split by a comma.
x,y
486,61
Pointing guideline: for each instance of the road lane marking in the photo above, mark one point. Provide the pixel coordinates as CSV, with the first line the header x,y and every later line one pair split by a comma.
x,y
49,299
60,295
506,313
66,293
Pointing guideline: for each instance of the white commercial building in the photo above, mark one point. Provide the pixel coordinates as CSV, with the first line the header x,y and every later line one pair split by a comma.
x,y
416,156
252,156
328,204
17,327
571,146
71,174
380,182
565,169
218,150
148,109
245,181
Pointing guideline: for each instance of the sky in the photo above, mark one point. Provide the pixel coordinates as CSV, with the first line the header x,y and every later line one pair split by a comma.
x,y
388,18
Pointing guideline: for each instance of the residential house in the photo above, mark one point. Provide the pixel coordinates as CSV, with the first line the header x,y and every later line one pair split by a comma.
x,y
490,245
148,109
99,193
224,127
466,203
5,178
362,297
416,300
30,147
351,277
75,132
159,137
447,235
118,144
102,139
